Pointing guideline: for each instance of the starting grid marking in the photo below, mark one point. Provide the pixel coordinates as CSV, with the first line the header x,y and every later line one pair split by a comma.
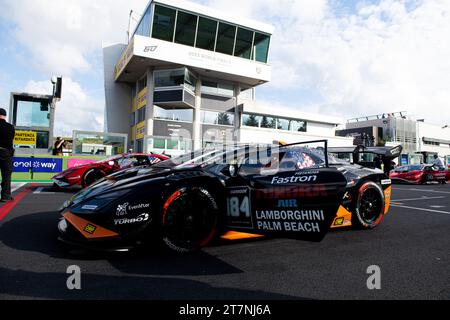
x,y
421,209
423,190
40,190
431,207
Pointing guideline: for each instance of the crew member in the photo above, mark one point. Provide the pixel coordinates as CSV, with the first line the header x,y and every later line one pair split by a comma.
x,y
438,163
7,133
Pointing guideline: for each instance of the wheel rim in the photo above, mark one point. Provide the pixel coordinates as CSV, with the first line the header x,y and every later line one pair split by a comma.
x,y
188,220
371,205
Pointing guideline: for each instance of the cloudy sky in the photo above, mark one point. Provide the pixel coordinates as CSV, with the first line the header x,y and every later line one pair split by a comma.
x,y
345,58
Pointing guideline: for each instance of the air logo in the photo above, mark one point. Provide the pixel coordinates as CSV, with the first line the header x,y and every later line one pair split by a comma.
x,y
374,280
74,280
289,203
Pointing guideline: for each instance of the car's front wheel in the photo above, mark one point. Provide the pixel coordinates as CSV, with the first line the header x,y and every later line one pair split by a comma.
x,y
370,206
91,176
190,217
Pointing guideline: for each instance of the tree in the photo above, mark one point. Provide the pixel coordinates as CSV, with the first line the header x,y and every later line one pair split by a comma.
x,y
224,119
251,121
265,122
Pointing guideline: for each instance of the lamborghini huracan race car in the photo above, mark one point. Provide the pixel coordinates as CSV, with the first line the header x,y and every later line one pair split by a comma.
x,y
290,191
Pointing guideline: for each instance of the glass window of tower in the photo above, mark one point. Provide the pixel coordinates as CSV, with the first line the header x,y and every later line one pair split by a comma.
x,y
186,27
298,125
225,38
206,34
244,42
261,47
169,78
283,124
251,120
184,115
143,28
163,23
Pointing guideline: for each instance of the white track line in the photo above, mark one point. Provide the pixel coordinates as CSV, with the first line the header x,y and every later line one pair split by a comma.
x,y
423,190
415,199
17,186
421,209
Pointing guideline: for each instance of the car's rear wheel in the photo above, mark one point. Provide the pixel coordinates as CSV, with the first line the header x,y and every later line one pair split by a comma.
x,y
189,219
369,206
92,176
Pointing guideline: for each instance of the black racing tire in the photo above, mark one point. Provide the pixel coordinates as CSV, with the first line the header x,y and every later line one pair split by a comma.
x,y
369,207
91,176
428,178
189,221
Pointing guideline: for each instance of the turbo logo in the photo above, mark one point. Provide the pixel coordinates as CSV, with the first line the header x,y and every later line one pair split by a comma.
x,y
141,218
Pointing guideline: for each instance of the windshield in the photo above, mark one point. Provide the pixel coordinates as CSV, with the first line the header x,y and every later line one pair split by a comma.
x,y
261,158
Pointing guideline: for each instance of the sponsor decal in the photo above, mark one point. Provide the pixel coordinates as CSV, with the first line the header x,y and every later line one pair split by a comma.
x,y
89,228
290,203
141,218
124,209
339,222
38,165
89,207
386,182
73,163
294,179
290,220
292,192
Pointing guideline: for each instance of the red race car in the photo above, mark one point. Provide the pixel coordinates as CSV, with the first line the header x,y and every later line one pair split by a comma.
x,y
419,174
87,174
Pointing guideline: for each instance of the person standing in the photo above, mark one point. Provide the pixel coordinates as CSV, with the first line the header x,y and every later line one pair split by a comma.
x,y
438,163
58,147
7,133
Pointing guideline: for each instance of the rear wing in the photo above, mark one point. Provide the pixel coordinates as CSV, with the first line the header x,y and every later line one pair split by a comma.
x,y
386,152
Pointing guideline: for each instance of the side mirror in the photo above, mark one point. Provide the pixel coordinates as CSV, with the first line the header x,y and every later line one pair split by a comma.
x,y
231,170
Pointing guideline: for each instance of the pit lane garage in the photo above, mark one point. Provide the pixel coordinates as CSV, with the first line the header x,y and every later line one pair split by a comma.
x,y
410,247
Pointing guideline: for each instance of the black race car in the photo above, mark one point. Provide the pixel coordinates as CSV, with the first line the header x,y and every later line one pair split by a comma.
x,y
291,191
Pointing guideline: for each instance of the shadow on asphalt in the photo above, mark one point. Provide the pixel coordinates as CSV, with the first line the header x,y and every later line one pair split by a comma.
x,y
38,233
95,287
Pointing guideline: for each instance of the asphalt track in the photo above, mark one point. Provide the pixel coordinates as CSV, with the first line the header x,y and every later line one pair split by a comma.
x,y
411,247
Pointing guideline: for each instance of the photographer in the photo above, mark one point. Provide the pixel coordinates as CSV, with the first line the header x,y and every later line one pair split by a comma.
x,y
58,147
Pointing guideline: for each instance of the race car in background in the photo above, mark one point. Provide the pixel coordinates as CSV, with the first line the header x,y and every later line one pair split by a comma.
x,y
419,174
87,174
291,191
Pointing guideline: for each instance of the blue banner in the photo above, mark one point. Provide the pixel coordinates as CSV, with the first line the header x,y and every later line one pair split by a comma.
x,y
37,165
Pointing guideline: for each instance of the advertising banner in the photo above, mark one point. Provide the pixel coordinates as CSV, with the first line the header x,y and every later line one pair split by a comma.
x,y
28,138
38,165
72,163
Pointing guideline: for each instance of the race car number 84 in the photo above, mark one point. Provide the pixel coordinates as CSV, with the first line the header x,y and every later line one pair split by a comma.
x,y
238,207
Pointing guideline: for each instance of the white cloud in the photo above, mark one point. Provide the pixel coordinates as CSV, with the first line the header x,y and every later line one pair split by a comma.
x,y
387,56
61,35
76,110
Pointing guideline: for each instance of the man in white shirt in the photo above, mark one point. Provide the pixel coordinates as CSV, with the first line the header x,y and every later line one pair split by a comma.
x,y
438,163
